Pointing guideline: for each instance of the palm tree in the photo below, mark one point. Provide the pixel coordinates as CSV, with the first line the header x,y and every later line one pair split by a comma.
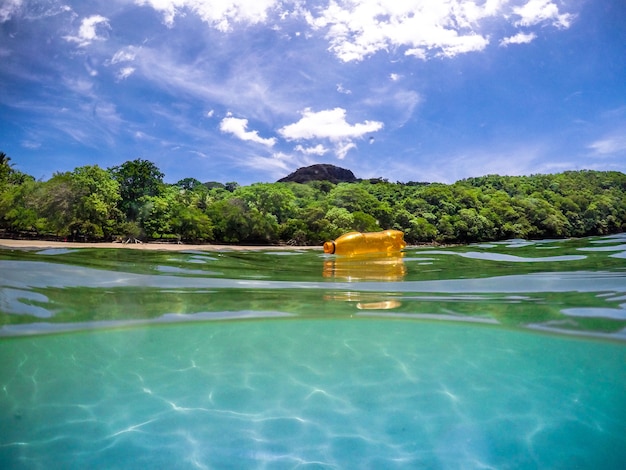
x,y
5,166
4,159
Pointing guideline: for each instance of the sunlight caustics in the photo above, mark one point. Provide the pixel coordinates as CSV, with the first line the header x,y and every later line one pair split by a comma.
x,y
385,394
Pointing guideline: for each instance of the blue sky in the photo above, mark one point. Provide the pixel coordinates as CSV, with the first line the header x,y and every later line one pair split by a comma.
x,y
251,90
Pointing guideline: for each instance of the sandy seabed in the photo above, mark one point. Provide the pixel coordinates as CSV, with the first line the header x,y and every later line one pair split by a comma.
x,y
44,244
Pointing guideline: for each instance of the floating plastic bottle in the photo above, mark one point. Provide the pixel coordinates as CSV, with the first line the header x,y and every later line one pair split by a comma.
x,y
357,243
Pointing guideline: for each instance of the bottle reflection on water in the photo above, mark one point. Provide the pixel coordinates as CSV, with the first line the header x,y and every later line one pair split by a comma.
x,y
366,267
378,267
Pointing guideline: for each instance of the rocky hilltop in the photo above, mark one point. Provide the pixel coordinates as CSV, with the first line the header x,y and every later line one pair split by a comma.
x,y
320,172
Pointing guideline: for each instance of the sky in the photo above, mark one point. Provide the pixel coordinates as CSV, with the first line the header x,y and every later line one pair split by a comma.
x,y
249,91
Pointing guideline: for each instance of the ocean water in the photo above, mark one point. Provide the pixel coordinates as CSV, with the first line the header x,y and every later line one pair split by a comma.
x,y
502,355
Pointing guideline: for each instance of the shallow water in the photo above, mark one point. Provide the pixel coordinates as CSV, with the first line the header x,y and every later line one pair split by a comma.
x,y
504,355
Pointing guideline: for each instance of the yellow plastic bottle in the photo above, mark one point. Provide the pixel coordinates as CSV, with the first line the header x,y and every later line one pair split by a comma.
x,y
357,243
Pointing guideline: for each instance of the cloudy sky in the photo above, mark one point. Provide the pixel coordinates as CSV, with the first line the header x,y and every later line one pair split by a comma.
x,y
251,90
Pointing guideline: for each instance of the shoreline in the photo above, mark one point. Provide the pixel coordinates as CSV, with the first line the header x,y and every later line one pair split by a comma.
x,y
45,244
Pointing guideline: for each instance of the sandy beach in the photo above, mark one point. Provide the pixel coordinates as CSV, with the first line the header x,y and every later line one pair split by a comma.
x,y
44,244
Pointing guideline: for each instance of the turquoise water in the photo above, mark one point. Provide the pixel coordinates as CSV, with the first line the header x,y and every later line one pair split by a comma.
x,y
504,355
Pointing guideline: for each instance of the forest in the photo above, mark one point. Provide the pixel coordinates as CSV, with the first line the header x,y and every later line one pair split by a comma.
x,y
132,201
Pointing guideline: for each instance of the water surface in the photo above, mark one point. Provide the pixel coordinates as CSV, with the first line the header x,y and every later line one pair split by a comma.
x,y
503,355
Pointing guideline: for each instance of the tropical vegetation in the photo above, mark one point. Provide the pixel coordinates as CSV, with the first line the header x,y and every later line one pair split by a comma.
x,y
132,201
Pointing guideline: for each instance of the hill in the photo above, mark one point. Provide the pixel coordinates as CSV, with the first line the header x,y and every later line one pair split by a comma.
x,y
320,172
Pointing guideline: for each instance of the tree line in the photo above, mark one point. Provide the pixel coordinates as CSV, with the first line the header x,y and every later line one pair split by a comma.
x,y
131,201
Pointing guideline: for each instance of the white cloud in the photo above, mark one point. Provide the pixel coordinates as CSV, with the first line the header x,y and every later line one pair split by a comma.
x,y
29,144
541,11
319,150
343,148
400,101
612,141
91,70
80,86
220,14
238,127
126,54
31,10
341,89
251,87
424,28
125,72
417,53
610,145
357,29
9,8
107,114
519,38
329,124
91,29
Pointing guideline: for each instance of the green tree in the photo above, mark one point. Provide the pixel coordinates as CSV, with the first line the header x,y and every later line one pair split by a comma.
x,y
341,219
364,222
441,198
18,207
180,212
5,168
95,197
155,215
471,226
421,230
545,219
355,198
88,202
269,198
56,203
230,220
318,227
8,174
189,184
137,178
190,223
446,229
231,186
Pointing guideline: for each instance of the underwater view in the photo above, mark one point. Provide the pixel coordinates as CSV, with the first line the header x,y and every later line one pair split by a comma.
x,y
486,356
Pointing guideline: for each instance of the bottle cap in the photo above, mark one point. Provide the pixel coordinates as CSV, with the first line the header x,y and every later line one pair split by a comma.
x,y
329,247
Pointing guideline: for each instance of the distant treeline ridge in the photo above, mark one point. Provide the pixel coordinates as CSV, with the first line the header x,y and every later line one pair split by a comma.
x,y
131,201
